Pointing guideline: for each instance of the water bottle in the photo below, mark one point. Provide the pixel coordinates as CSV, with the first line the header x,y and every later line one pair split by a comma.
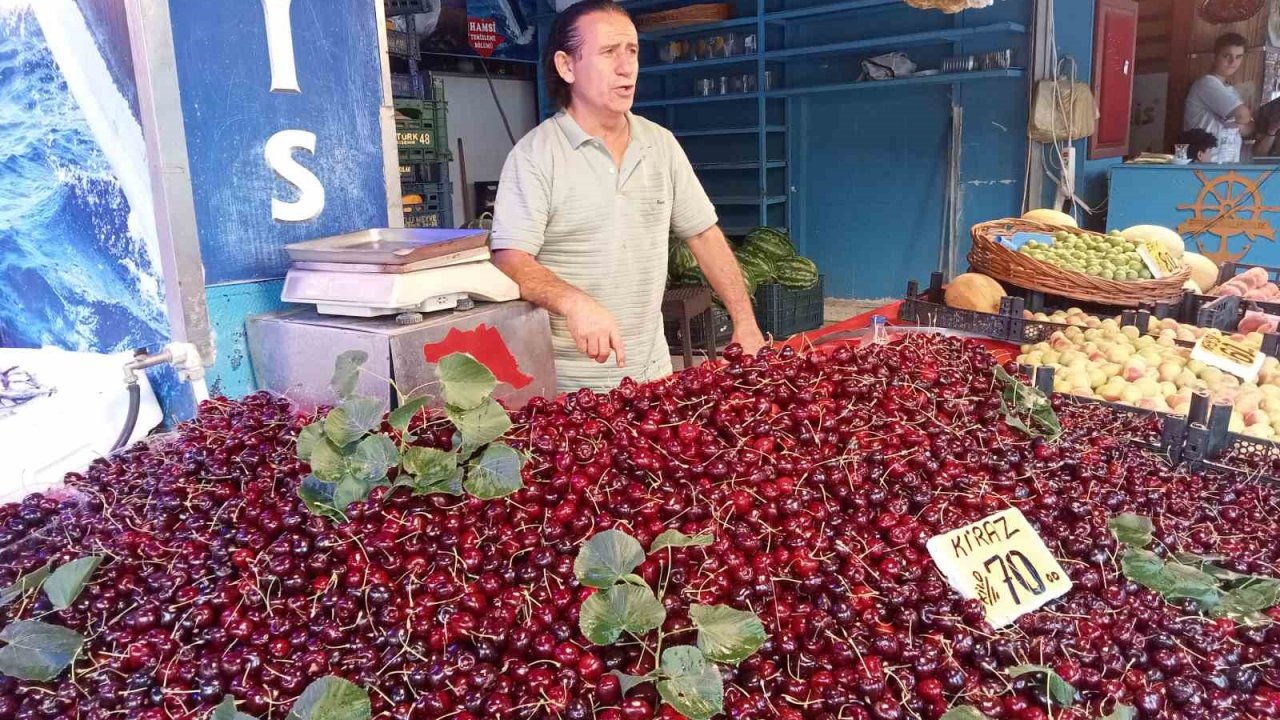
x,y
879,330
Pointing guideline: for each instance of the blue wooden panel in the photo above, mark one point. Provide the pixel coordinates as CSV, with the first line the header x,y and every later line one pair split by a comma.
x,y
1189,199
230,114
229,305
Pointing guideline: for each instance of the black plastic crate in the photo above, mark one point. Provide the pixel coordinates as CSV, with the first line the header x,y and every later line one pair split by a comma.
x,y
421,131
402,44
407,7
424,172
431,193
404,85
783,312
718,326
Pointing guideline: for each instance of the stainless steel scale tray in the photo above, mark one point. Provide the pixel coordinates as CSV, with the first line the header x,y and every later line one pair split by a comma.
x,y
387,246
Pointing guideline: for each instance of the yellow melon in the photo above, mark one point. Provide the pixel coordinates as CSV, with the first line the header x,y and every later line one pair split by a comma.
x,y
974,291
1163,235
1203,271
1050,217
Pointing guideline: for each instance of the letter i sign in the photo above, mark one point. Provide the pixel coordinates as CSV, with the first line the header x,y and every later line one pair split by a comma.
x,y
281,146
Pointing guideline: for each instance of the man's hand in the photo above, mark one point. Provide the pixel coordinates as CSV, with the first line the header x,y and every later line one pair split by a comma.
x,y
595,331
749,338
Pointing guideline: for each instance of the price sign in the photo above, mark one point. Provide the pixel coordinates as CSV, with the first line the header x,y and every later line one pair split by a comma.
x,y
1159,261
1217,350
1001,561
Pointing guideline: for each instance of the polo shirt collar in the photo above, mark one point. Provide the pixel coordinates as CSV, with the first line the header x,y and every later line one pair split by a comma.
x,y
577,136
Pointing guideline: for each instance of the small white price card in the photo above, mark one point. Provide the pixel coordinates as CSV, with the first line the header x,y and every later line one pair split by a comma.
x,y
1217,350
1159,260
1001,561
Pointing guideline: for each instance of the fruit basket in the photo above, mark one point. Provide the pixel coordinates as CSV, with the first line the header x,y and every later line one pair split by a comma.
x,y
990,257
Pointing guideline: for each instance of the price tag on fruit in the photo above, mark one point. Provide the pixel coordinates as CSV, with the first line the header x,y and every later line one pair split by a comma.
x,y
1001,561
1217,350
1159,260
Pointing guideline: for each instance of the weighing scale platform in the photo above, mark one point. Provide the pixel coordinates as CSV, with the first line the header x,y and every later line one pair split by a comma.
x,y
293,352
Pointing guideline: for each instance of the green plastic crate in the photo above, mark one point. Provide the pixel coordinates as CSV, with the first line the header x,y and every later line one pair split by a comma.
x,y
421,131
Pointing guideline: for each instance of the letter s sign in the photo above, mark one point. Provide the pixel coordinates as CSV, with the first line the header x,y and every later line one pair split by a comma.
x,y
279,155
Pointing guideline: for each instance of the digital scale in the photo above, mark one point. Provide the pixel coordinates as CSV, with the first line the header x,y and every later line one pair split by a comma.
x,y
389,271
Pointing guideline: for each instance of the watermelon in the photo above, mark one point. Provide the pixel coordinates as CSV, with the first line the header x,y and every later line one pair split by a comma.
x,y
797,273
681,260
771,243
756,267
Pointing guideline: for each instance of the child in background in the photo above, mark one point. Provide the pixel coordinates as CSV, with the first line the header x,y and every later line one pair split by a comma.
x,y
1200,144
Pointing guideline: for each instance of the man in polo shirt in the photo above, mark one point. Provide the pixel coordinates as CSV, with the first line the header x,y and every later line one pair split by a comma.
x,y
585,205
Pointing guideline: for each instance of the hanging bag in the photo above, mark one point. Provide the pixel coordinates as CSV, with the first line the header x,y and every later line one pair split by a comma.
x,y
1062,110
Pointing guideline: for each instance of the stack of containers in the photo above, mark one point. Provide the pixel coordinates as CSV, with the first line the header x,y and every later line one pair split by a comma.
x,y
423,139
421,134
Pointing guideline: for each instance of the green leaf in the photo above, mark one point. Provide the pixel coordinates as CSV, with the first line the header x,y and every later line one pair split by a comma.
x,y
403,415
634,579
479,426
1026,408
465,381
226,710
352,420
317,495
307,439
372,457
1174,581
1247,601
332,698
495,474
1060,691
964,712
692,685
429,464
677,539
24,584
725,634
1122,712
1132,529
451,485
1205,563
627,682
37,651
346,372
606,557
1143,567
348,491
622,608
328,462
65,584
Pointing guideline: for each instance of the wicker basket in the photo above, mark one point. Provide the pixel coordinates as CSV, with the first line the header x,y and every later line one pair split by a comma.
x,y
988,256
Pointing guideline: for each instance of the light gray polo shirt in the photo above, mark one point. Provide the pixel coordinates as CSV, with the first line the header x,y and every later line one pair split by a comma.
x,y
1210,102
603,230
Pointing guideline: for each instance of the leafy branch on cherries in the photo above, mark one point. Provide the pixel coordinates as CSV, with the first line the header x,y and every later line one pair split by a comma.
x,y
1058,693
686,675
349,456
1180,576
1027,409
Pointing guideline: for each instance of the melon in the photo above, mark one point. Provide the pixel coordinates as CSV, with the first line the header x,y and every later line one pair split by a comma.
x,y
797,273
974,291
770,243
1163,235
1203,271
1050,217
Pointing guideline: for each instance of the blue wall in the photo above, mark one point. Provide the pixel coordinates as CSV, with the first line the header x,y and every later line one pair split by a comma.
x,y
870,167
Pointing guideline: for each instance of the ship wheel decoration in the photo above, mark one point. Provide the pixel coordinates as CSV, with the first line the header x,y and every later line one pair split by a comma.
x,y
1228,205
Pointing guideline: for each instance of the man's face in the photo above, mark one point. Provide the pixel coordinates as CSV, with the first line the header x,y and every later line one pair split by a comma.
x,y
1228,60
602,75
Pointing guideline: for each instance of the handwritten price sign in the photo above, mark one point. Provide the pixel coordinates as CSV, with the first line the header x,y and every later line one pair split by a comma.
x,y
1001,561
1158,259
1215,349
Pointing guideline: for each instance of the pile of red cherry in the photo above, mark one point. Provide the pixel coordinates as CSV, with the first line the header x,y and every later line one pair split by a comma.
x,y
821,476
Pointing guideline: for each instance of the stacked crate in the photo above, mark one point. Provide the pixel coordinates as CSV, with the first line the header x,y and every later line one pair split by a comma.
x,y
421,133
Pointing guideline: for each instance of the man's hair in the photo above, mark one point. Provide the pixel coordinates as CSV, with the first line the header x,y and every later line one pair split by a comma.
x,y
566,37
1197,141
1228,40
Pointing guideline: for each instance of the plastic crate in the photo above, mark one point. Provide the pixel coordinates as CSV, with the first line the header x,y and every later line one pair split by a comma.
x,y
431,193
408,7
783,312
720,330
421,132
404,85
424,172
420,216
435,210
402,44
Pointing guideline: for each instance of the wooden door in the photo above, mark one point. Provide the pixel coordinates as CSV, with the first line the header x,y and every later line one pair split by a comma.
x,y
1115,46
